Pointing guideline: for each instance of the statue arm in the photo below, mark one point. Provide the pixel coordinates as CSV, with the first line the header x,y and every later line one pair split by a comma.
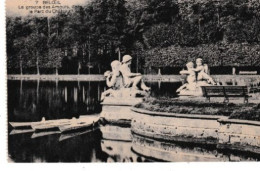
x,y
206,68
134,74
183,72
198,69
126,72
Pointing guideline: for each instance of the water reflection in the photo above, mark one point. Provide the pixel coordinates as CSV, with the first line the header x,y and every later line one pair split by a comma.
x,y
185,152
32,100
117,143
83,148
164,89
111,144
86,146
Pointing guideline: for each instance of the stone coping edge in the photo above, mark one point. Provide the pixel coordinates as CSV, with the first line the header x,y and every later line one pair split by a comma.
x,y
177,115
239,121
221,119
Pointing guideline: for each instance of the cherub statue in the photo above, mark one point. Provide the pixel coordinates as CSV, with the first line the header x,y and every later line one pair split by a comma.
x,y
193,85
113,80
131,79
119,88
203,72
191,78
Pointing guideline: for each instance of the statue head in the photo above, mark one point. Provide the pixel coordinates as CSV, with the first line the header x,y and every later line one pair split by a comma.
x,y
198,61
127,59
115,65
190,65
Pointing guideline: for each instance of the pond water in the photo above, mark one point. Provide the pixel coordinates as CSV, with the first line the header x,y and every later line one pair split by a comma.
x,y
33,100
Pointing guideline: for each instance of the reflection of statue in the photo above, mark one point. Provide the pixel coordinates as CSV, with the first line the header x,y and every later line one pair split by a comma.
x,y
122,82
194,83
131,79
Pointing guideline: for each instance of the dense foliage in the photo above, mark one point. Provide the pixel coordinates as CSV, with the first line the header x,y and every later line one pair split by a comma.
x,y
157,33
234,54
189,106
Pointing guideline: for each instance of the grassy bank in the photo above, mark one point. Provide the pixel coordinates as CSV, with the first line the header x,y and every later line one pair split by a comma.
x,y
234,111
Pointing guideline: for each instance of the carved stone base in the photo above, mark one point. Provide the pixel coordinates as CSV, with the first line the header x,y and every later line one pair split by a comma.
x,y
194,91
113,101
124,93
118,110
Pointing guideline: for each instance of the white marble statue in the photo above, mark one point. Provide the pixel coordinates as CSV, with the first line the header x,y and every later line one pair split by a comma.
x,y
196,77
131,79
203,73
113,80
191,78
122,83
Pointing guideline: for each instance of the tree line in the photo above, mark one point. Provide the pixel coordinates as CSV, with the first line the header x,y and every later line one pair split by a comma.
x,y
157,33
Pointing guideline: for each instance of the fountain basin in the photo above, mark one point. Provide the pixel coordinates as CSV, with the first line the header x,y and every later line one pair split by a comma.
x,y
227,133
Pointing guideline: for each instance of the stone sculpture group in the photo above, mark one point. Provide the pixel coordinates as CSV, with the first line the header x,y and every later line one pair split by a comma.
x,y
122,82
196,77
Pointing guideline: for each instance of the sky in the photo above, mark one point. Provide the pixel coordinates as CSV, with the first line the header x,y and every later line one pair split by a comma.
x,y
12,6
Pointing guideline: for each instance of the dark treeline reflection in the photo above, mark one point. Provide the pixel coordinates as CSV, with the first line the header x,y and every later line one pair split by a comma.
x,y
32,100
164,89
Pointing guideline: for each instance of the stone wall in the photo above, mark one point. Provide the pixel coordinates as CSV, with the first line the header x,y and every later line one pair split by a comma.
x,y
238,134
225,133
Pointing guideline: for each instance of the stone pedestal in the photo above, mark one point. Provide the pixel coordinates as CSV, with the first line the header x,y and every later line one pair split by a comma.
x,y
118,110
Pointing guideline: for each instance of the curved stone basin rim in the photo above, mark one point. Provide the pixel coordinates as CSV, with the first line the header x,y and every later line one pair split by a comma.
x,y
241,135
166,114
221,119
